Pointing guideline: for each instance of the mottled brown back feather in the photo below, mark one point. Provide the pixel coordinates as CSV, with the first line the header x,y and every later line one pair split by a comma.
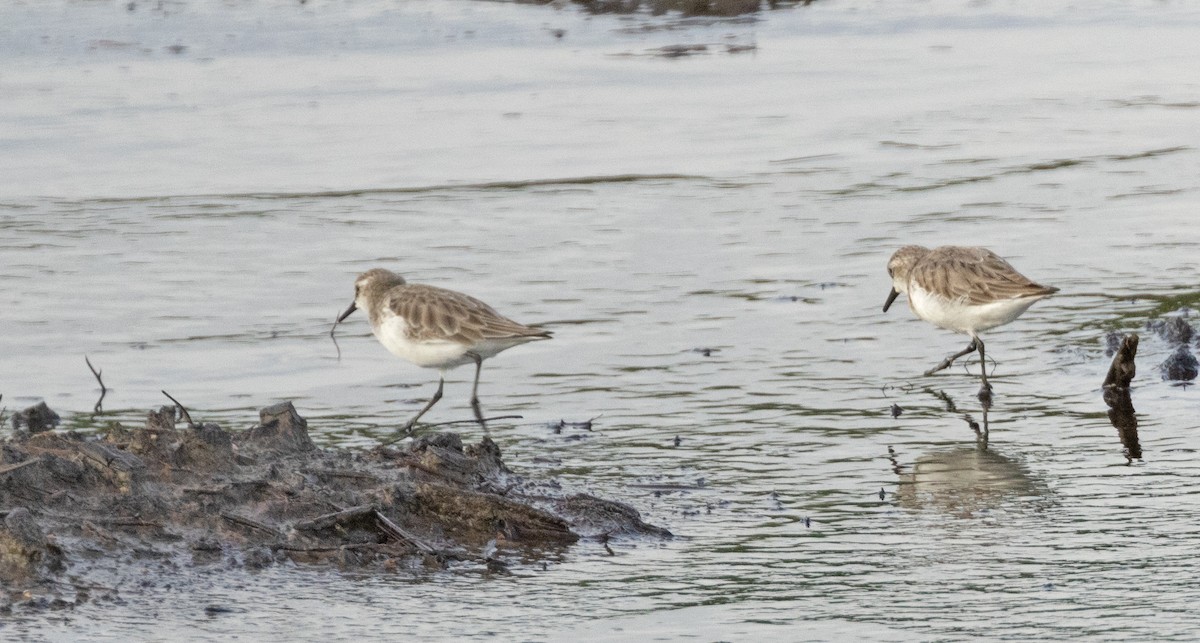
x,y
975,275
436,313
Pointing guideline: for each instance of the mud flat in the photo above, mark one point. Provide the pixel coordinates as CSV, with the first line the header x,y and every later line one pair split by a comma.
x,y
183,494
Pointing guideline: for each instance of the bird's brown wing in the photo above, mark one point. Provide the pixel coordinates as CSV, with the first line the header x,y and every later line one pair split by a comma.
x,y
431,313
973,275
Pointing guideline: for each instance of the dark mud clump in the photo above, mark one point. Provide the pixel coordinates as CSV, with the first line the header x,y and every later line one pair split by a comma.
x,y
1181,366
1175,330
35,419
196,494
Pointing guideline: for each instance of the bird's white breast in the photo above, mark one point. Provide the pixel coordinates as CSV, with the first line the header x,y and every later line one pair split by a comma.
x,y
962,317
392,332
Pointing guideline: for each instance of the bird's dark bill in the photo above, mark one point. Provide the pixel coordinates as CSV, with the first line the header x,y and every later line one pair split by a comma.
x,y
887,304
353,308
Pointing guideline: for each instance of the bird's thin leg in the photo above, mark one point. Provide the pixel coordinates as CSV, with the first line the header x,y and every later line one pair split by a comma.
x,y
984,443
985,391
475,392
950,360
433,400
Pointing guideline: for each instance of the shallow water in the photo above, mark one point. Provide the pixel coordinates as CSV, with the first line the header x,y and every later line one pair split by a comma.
x,y
193,222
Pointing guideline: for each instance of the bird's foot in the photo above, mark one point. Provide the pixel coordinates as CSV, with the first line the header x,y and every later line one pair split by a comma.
x,y
478,413
985,395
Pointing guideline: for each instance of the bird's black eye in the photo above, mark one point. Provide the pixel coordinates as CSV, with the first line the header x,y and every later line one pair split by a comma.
x,y
890,273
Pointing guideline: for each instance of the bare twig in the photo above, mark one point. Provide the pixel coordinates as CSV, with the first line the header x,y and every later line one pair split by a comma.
x,y
183,413
251,523
335,344
399,533
20,465
328,520
103,389
323,550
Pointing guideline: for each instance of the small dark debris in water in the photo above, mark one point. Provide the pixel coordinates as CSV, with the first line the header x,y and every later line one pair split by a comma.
x,y
826,285
563,424
896,411
678,440
707,352
176,49
1173,330
882,493
807,522
700,483
897,468
558,33
1181,366
213,610
774,502
679,51
36,419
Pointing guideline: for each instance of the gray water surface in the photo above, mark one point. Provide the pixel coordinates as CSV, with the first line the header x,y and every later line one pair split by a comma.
x,y
190,188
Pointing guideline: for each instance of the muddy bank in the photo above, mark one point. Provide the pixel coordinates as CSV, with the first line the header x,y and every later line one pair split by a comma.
x,y
193,494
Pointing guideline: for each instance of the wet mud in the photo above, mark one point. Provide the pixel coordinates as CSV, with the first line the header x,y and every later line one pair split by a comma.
x,y
184,493
1181,366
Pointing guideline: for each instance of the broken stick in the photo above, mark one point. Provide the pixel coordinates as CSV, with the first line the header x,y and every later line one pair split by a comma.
x,y
183,413
103,389
1123,368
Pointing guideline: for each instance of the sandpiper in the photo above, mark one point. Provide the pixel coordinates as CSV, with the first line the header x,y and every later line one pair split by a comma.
x,y
435,328
964,289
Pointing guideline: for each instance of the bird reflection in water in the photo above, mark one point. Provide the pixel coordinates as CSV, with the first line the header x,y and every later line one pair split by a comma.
x,y
964,482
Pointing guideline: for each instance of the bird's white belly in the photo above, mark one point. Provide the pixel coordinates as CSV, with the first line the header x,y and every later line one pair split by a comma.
x,y
436,353
962,317
440,354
